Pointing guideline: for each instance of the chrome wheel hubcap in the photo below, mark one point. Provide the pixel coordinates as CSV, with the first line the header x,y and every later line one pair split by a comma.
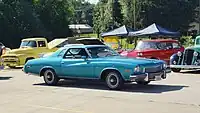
x,y
49,76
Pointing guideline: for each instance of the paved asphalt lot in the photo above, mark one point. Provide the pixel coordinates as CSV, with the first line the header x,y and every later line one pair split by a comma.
x,y
20,93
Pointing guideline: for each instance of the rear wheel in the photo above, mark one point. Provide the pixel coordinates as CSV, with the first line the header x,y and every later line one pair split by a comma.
x,y
50,77
143,82
176,70
114,80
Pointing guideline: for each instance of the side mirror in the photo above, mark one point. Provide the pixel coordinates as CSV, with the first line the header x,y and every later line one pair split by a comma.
x,y
84,57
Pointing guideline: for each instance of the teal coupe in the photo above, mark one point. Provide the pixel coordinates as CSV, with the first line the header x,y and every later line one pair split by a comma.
x,y
96,62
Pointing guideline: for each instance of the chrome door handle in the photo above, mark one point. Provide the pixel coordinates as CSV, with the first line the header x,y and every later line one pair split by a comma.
x,y
62,62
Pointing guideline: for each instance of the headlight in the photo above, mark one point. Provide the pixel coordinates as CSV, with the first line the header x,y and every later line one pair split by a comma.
x,y
179,53
195,54
137,69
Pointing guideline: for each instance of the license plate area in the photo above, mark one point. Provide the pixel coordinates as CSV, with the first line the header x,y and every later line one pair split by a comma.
x,y
156,76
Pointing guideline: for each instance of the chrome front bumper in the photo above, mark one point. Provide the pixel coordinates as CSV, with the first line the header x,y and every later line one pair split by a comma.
x,y
150,76
185,66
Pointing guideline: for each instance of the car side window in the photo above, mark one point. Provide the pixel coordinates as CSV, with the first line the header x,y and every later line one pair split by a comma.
x,y
75,53
169,45
41,44
162,46
176,45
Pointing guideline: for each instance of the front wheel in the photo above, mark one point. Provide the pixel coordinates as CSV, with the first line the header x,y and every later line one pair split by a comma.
x,y
176,70
143,82
50,77
114,80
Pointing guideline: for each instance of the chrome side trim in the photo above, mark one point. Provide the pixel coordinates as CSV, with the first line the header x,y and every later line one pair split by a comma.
x,y
185,66
70,77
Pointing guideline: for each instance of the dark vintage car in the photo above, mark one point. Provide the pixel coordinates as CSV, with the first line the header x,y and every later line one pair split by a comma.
x,y
189,59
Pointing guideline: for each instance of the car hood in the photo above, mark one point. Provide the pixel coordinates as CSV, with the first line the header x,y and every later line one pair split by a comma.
x,y
20,50
196,48
136,61
56,42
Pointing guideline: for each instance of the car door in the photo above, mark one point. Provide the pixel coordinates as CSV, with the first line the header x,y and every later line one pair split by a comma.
x,y
165,51
74,65
170,50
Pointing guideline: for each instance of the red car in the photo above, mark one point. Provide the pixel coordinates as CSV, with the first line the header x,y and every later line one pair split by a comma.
x,y
161,49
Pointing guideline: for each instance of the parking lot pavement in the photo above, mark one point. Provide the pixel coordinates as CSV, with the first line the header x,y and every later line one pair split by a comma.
x,y
20,93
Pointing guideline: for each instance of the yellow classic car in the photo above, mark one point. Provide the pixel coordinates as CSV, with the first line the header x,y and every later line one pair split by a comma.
x,y
30,48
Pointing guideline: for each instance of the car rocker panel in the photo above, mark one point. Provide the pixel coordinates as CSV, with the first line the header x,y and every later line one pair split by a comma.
x,y
96,62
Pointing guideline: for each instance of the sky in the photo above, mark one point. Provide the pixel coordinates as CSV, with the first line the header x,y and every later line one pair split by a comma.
x,y
93,1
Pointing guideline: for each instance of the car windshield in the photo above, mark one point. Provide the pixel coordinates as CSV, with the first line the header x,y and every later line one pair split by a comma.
x,y
198,41
28,43
98,52
153,45
146,45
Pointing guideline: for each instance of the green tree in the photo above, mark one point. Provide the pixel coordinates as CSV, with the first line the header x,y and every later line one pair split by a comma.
x,y
18,20
83,12
134,9
172,14
107,15
22,18
55,16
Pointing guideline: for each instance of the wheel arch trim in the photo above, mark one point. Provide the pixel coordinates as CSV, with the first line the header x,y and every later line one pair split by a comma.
x,y
111,68
45,67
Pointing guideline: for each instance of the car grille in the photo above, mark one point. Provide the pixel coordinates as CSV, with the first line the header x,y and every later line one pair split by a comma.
x,y
9,59
188,56
153,69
